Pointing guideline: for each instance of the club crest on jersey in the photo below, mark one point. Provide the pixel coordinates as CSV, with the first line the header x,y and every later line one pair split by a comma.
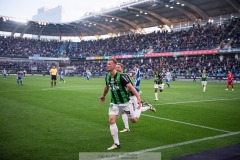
x,y
114,87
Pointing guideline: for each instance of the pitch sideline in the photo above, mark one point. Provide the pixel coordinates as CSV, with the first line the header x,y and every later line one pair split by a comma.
x,y
187,142
210,100
186,123
178,144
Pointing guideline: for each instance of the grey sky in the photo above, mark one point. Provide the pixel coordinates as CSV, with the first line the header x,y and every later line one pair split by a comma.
x,y
73,9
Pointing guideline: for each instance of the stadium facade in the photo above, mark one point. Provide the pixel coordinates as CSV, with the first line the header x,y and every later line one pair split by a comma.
x,y
53,15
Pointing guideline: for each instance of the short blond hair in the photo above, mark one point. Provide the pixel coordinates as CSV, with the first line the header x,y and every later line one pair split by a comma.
x,y
113,60
120,64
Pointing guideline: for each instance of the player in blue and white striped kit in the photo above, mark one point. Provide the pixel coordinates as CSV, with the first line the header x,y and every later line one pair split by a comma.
x,y
137,77
168,78
88,75
19,77
61,76
4,73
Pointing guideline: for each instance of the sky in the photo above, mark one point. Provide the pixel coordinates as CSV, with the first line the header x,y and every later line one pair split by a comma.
x,y
73,9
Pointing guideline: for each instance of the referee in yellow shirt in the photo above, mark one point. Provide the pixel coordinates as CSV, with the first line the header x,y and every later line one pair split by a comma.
x,y
53,74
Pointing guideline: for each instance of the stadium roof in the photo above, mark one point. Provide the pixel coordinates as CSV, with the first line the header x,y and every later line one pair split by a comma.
x,y
128,17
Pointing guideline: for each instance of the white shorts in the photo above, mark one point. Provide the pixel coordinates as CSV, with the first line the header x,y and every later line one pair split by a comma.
x,y
127,108
167,79
160,86
204,83
134,102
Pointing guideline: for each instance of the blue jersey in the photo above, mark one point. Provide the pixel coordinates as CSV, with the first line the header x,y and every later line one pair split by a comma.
x,y
61,74
4,72
137,73
88,73
168,76
19,75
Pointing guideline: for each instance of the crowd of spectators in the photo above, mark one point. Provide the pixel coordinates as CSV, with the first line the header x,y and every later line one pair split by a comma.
x,y
209,36
196,38
235,34
178,66
17,46
30,67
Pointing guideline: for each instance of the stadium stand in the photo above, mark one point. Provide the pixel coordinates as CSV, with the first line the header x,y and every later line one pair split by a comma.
x,y
180,67
159,50
198,37
25,47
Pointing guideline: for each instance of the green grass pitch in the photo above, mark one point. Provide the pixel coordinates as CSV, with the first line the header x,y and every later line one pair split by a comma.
x,y
39,122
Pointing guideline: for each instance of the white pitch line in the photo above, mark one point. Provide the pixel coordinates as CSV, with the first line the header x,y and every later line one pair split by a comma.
x,y
68,88
18,91
210,100
178,144
190,124
51,89
187,142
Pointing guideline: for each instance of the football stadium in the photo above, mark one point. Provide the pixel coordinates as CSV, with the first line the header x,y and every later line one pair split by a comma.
x,y
64,96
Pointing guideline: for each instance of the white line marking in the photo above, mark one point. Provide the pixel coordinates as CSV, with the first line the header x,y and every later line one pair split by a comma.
x,y
18,91
69,88
211,100
51,89
187,142
177,144
190,124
